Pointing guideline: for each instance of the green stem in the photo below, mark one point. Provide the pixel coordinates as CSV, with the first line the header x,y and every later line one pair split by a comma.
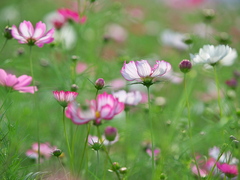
x,y
84,149
218,90
5,42
68,145
74,64
151,129
189,125
63,168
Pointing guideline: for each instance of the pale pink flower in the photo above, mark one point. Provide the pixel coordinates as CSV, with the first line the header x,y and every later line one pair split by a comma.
x,y
229,170
128,98
69,14
45,151
116,32
81,67
94,139
65,97
156,152
105,107
28,35
141,71
117,84
17,83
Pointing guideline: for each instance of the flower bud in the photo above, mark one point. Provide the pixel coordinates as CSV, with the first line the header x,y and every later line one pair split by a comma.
x,y
185,66
232,83
57,152
74,88
187,39
115,166
96,146
223,38
99,84
110,133
123,170
74,58
7,32
163,176
208,15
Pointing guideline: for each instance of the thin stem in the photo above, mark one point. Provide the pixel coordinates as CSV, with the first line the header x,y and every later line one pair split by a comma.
x,y
5,42
62,167
65,134
74,64
189,125
85,147
151,129
218,90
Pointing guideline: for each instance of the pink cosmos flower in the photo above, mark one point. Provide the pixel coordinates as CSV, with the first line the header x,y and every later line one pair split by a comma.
x,y
28,35
17,83
156,152
72,15
229,170
105,107
45,151
141,71
130,98
64,97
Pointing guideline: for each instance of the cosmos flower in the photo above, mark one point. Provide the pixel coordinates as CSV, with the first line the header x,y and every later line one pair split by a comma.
x,y
71,15
141,71
128,98
64,97
17,83
211,55
106,106
28,35
229,170
45,151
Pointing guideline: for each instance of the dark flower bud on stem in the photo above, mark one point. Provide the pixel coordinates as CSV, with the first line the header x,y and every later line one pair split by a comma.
x,y
57,152
7,32
110,133
185,66
99,84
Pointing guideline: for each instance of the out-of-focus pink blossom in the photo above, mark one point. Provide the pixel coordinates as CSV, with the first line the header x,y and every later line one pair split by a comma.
x,y
229,170
69,14
178,4
81,67
104,141
128,98
116,32
105,107
45,151
156,152
64,97
17,83
117,84
28,35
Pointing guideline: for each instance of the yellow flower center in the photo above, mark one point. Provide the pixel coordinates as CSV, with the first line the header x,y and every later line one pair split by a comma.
x,y
97,114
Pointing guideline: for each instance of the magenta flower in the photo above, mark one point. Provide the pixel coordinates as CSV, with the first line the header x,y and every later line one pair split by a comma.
x,y
72,15
229,170
28,35
65,97
141,71
45,151
105,107
19,84
156,152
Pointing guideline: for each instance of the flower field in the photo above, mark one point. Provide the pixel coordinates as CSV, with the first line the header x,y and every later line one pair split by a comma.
x,y
125,90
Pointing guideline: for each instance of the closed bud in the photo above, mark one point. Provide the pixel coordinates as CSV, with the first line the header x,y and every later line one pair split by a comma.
x,y
7,32
208,15
96,146
123,170
57,152
115,166
185,66
232,137
223,38
99,84
187,39
74,58
110,133
235,144
163,176
74,88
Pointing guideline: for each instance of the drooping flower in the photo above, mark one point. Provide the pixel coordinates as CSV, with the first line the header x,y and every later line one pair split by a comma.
x,y
71,15
229,170
17,83
105,107
28,35
45,151
141,71
65,97
211,55
128,98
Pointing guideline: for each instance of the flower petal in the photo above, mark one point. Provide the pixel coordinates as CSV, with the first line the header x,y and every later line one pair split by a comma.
x,y
39,30
26,29
16,35
47,38
129,71
160,68
143,68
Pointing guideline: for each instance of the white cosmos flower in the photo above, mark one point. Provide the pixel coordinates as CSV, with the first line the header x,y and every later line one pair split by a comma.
x,y
130,98
210,54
